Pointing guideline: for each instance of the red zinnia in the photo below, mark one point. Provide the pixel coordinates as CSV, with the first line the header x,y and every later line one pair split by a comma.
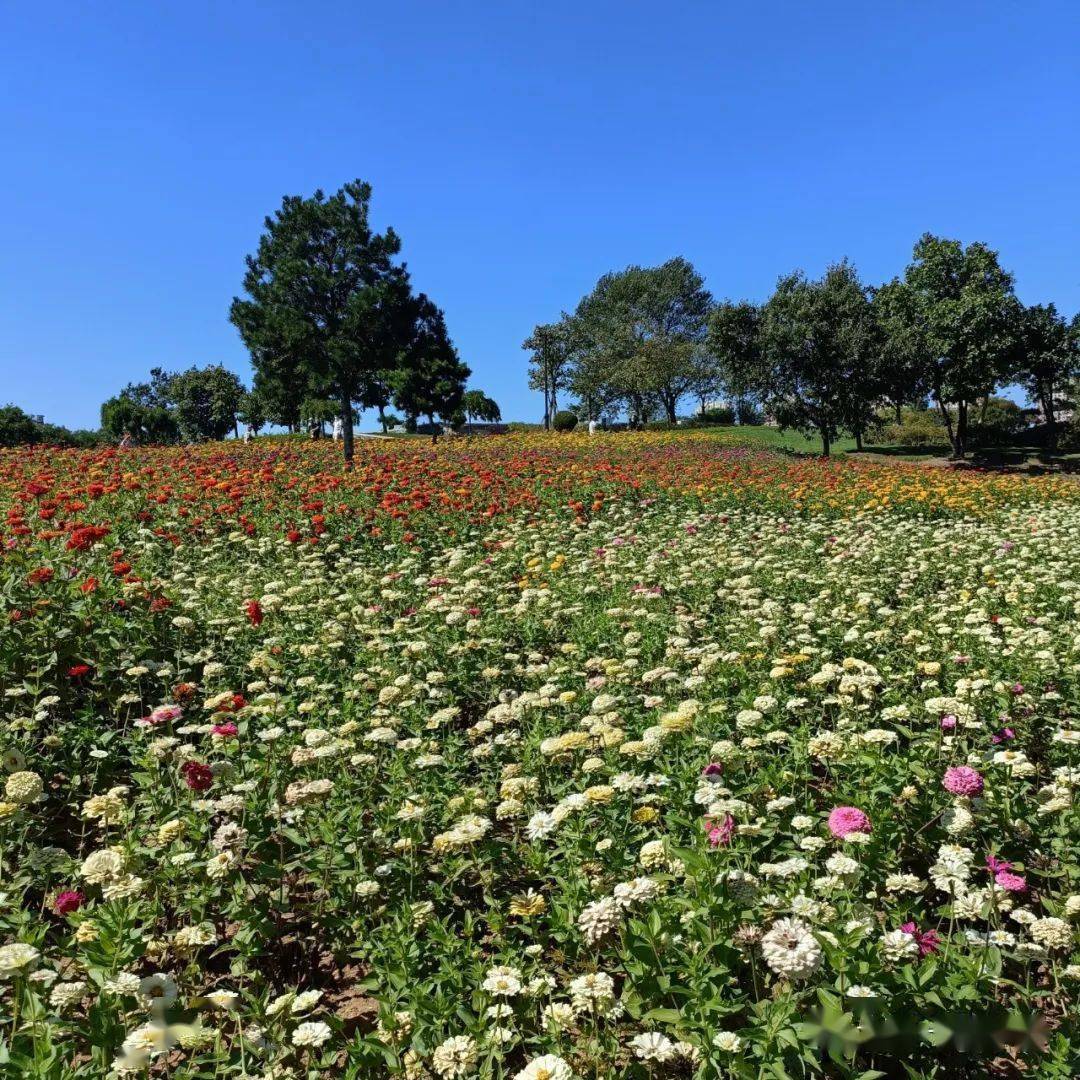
x,y
68,901
197,776
254,612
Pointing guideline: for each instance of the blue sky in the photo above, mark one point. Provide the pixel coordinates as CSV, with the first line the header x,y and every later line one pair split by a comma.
x,y
521,150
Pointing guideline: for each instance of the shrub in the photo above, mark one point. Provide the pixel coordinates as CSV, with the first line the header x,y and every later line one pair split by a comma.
x,y
723,415
917,428
564,420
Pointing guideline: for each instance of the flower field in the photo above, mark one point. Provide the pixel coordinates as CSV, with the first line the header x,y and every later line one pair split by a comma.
x,y
536,758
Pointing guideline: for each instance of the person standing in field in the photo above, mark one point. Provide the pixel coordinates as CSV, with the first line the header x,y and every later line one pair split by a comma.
x,y
339,428
592,427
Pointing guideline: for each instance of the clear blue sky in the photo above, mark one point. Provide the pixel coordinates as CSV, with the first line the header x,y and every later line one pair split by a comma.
x,y
521,150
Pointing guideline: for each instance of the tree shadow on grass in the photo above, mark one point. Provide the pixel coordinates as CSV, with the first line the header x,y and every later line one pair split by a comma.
x,y
1029,460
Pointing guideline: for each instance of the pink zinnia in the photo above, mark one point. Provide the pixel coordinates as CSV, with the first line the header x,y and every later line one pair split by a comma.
x,y
722,833
848,819
1010,882
948,723
68,901
712,770
962,780
225,731
166,713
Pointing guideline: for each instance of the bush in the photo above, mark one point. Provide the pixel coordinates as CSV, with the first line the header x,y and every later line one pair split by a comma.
x,y
660,425
564,420
722,416
917,428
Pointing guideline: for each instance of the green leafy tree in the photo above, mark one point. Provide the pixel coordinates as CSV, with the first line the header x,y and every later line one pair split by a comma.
x,y
205,402
644,328
125,414
735,346
962,316
478,406
281,389
1050,359
900,365
817,340
430,378
17,428
316,413
252,411
318,289
552,346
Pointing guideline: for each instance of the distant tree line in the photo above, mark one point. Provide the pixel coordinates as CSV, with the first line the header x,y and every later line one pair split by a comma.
x,y
822,356
18,428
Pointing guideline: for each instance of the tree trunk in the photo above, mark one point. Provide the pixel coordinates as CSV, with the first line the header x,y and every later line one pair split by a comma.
x,y
1051,428
826,441
858,440
1046,402
899,413
235,428
669,407
961,429
957,453
346,427
382,417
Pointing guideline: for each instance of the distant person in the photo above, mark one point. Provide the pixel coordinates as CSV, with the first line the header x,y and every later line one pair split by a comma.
x,y
125,441
592,427
339,429
247,433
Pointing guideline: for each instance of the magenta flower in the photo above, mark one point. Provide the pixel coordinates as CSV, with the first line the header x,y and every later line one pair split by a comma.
x,y
962,780
844,820
994,864
948,723
1003,736
927,940
227,730
68,901
713,770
